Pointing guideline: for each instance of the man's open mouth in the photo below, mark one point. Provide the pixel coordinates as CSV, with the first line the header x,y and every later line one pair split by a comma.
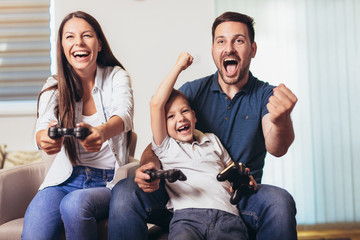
x,y
230,65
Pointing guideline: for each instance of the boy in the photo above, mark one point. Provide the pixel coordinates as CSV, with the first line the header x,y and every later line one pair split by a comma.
x,y
201,203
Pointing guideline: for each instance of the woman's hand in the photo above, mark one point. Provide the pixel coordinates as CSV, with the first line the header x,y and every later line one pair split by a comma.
x,y
94,141
48,145
141,177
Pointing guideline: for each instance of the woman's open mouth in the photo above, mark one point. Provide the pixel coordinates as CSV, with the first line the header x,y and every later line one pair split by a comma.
x,y
80,54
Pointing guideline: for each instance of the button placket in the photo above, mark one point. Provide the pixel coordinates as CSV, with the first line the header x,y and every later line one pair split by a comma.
x,y
228,107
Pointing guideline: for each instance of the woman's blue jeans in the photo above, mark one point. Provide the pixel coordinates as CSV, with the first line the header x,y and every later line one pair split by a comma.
x,y
74,205
269,213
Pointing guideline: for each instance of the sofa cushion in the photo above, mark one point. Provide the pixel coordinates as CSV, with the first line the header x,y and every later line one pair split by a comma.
x,y
2,155
12,229
14,158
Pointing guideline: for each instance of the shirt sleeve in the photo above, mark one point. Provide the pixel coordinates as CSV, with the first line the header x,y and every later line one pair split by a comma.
x,y
47,104
225,157
123,103
268,92
161,150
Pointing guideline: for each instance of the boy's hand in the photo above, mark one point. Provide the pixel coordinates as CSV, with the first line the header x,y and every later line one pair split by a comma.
x,y
184,60
141,177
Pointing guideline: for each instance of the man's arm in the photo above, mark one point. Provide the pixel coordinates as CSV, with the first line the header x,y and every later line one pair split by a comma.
x,y
148,156
148,160
277,125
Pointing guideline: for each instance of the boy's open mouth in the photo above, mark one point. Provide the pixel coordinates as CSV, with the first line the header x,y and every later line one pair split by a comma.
x,y
183,128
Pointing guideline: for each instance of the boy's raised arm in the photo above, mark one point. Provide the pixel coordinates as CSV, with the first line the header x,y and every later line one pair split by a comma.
x,y
158,101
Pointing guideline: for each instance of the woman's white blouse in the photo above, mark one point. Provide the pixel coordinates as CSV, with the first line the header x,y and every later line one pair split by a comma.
x,y
113,96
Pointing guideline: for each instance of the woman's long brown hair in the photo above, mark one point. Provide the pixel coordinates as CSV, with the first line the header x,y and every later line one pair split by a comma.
x,y
69,84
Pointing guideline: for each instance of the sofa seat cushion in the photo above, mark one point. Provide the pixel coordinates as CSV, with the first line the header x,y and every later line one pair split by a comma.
x,y
14,158
12,229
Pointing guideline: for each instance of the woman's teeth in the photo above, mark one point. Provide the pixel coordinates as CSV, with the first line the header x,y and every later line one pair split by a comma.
x,y
80,54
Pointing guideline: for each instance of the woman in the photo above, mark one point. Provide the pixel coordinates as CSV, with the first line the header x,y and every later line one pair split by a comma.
x,y
91,90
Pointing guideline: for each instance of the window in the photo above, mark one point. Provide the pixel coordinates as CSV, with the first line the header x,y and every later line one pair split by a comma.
x,y
24,48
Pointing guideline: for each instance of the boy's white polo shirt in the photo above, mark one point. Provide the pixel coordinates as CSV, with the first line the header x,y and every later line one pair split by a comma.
x,y
200,161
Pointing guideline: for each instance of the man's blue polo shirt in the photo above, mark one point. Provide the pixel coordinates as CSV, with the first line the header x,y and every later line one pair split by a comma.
x,y
237,121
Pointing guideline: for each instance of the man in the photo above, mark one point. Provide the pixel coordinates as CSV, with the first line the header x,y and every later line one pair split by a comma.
x,y
250,118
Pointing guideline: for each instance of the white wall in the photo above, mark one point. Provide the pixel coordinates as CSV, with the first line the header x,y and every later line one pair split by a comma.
x,y
146,36
17,124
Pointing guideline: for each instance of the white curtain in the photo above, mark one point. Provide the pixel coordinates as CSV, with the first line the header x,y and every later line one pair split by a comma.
x,y
313,47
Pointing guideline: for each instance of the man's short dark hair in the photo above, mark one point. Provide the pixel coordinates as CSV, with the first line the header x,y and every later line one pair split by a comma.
x,y
235,17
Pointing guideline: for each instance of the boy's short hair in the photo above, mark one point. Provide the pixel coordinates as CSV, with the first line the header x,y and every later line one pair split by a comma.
x,y
174,94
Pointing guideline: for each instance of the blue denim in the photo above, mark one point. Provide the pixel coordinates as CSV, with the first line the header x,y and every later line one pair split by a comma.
x,y
196,223
131,208
74,205
269,213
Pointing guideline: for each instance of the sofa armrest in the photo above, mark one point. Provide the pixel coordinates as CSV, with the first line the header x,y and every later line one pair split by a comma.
x,y
18,186
126,171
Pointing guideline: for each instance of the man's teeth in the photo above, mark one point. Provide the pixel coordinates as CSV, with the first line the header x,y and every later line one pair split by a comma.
x,y
229,59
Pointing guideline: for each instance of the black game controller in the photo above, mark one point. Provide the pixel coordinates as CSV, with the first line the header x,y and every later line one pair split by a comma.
x,y
172,175
236,174
78,132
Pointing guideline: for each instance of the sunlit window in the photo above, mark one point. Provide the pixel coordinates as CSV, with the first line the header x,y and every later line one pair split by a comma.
x,y
24,48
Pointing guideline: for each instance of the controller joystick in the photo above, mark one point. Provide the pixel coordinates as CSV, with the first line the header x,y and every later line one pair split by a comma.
x,y
236,174
78,132
172,175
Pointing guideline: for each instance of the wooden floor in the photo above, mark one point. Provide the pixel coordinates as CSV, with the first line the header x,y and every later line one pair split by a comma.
x,y
330,232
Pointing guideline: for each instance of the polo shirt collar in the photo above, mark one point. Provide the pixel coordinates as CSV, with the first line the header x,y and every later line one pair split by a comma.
x,y
200,138
216,87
